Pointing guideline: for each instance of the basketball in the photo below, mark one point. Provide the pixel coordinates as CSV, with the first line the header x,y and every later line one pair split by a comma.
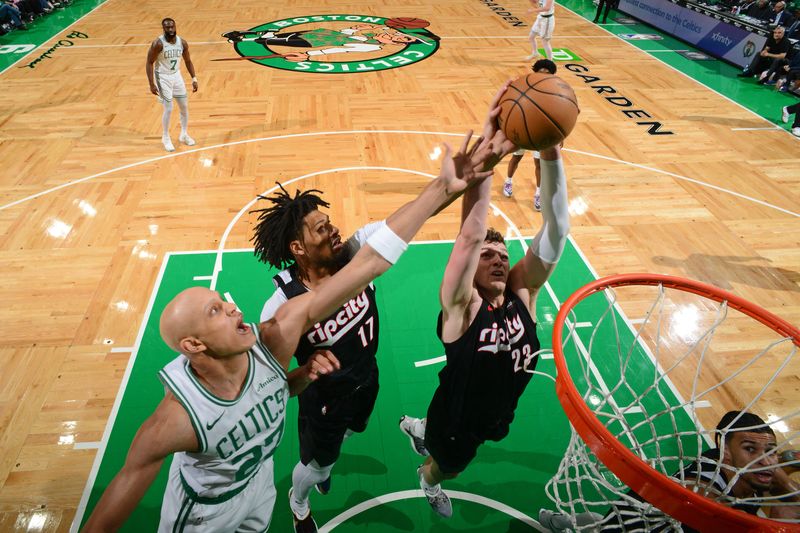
x,y
538,111
406,23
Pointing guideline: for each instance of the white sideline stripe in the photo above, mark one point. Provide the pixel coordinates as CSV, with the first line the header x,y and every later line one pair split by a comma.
x,y
112,417
685,178
86,445
122,349
636,320
411,494
426,362
352,132
228,298
56,35
662,50
776,127
201,278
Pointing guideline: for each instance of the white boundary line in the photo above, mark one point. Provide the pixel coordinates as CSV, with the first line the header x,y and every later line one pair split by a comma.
x,y
690,180
410,494
86,445
112,417
676,70
428,362
122,349
106,2
355,132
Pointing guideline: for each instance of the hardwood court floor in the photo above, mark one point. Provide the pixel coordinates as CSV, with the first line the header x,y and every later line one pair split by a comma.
x,y
90,204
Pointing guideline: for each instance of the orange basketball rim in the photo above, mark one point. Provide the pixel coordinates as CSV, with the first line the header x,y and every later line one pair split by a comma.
x,y
677,501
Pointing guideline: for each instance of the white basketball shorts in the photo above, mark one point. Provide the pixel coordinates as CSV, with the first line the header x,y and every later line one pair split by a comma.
x,y
543,27
248,511
170,86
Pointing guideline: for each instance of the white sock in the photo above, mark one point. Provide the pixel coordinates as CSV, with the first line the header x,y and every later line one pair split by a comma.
x,y
183,107
538,190
430,489
165,118
304,477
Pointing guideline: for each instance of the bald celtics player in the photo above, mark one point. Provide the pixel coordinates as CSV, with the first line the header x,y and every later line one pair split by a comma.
x,y
166,81
223,412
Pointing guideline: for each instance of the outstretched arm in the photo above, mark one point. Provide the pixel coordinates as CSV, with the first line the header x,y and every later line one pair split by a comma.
x,y
530,274
166,431
282,332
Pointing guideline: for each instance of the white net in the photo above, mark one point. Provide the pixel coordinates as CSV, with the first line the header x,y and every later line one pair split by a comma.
x,y
661,383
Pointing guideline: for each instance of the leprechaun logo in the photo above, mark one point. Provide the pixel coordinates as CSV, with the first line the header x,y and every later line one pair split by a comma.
x,y
336,44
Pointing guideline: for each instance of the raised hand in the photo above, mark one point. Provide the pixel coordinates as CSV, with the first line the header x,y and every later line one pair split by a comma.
x,y
493,136
465,166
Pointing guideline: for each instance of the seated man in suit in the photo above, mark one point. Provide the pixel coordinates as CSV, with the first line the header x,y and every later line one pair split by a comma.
x,y
780,16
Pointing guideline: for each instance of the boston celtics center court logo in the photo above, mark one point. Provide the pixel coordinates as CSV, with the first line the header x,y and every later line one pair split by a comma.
x,y
336,44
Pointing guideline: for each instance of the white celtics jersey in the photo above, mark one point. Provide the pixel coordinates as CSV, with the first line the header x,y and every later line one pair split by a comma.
x,y
169,60
235,436
550,11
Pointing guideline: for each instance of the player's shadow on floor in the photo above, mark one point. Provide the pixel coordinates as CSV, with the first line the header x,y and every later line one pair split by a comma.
x,y
350,464
538,462
755,122
388,519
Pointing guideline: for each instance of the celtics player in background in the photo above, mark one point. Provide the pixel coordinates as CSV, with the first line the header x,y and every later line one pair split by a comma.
x,y
487,326
166,81
223,412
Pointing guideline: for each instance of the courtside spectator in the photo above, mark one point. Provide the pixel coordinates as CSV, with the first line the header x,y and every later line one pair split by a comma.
x,y
775,49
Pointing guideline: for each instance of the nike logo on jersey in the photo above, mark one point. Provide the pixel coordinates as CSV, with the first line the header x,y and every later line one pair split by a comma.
x,y
210,426
328,332
501,339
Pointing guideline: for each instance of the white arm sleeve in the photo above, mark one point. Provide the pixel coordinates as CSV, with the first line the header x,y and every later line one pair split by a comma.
x,y
359,238
549,242
272,304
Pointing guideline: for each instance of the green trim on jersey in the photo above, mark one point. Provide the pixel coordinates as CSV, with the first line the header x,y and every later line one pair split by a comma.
x,y
193,418
215,500
221,401
186,510
268,354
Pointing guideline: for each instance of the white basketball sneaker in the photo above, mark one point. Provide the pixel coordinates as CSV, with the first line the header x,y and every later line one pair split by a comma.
x,y
167,142
440,502
785,115
537,201
185,139
508,188
796,132
408,425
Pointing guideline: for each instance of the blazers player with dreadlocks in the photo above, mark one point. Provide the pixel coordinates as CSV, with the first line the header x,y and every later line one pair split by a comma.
x,y
294,235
